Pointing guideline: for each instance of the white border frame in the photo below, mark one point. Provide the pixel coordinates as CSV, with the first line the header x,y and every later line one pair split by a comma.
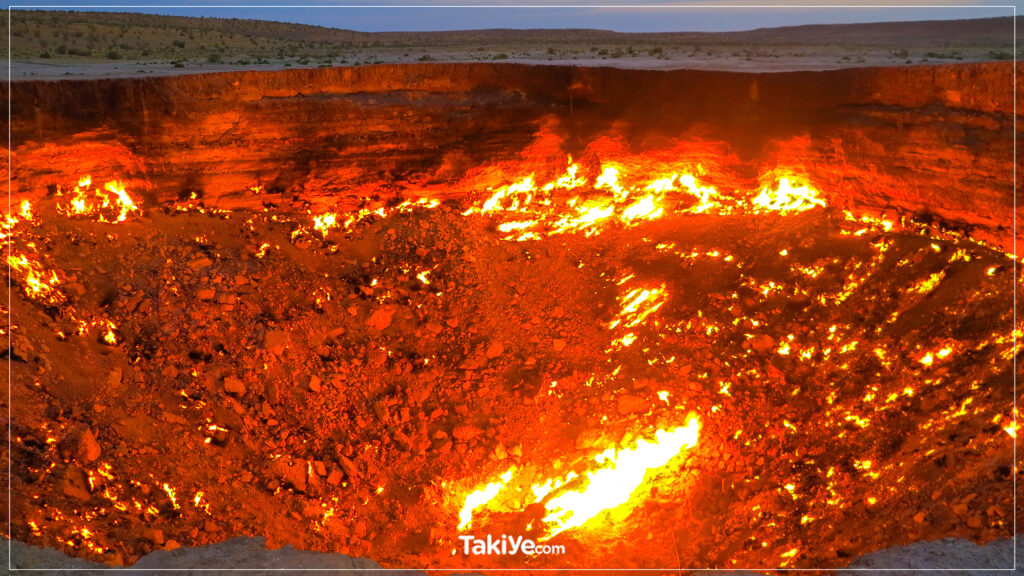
x,y
10,171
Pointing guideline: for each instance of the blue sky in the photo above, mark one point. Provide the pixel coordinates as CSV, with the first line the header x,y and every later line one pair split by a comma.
x,y
657,16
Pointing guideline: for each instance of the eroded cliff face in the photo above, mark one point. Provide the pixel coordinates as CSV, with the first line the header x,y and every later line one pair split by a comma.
x,y
923,140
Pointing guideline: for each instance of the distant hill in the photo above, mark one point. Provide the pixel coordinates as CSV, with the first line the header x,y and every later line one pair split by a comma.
x,y
68,35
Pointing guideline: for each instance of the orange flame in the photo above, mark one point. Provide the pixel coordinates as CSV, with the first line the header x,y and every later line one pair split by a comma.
x,y
111,204
572,500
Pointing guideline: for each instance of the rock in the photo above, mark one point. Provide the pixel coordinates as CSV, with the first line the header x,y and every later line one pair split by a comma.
x,y
88,449
558,344
500,453
172,545
206,293
349,468
380,408
319,468
75,484
335,476
293,474
494,350
154,535
761,343
919,517
275,341
21,349
200,264
629,404
403,440
381,318
314,384
114,377
233,385
466,432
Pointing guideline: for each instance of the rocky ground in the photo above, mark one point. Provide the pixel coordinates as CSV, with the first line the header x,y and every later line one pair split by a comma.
x,y
196,374
917,559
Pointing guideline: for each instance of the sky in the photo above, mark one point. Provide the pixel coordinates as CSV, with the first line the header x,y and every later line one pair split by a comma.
x,y
654,16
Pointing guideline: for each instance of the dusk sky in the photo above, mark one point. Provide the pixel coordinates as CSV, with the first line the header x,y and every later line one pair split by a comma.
x,y
655,16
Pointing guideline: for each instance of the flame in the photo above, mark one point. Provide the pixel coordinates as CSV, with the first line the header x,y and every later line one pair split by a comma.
x,y
621,474
40,284
530,210
786,198
637,305
480,497
111,204
571,500
325,222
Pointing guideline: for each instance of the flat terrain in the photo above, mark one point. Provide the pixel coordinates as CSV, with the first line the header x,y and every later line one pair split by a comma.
x,y
51,45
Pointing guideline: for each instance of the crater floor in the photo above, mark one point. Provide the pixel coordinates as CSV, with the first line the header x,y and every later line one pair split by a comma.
x,y
196,374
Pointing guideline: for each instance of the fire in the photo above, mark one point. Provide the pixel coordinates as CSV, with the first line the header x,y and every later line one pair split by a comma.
x,y
40,284
637,305
573,499
786,198
531,210
325,222
621,473
480,497
111,204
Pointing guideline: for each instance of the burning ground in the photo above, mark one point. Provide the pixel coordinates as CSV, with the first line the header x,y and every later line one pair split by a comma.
x,y
636,365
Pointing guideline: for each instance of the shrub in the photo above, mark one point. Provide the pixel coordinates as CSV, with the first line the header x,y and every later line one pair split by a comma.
x,y
500,56
213,58
114,55
44,54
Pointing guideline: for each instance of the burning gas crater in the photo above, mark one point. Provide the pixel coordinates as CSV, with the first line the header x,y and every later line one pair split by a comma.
x,y
788,366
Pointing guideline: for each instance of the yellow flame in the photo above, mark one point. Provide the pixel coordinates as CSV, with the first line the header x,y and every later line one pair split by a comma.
x,y
573,499
325,222
621,474
480,497
112,204
787,198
